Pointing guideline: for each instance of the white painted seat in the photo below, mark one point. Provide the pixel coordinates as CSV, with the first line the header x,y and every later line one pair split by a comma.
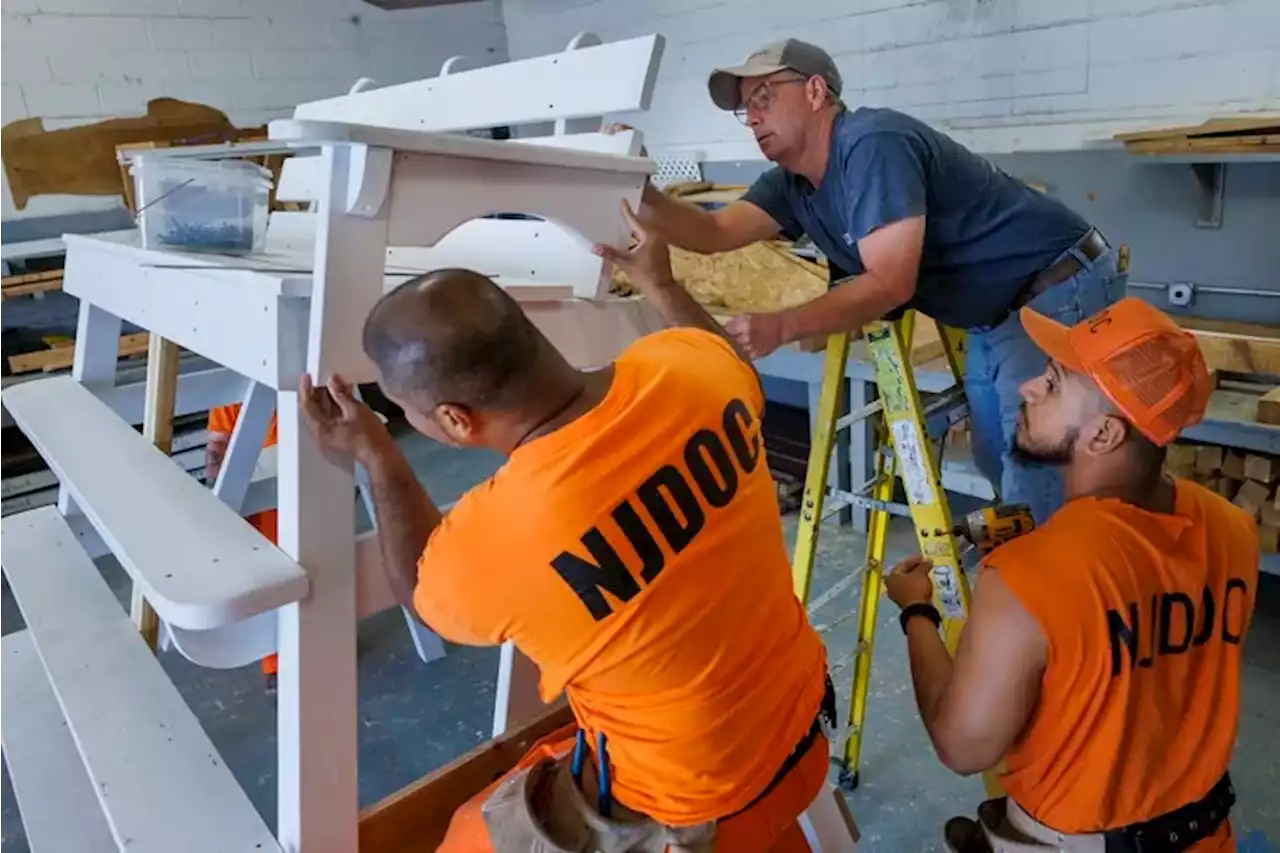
x,y
54,794
197,561
159,780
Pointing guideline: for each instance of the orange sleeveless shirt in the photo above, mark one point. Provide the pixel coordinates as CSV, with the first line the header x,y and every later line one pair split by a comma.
x,y
1145,616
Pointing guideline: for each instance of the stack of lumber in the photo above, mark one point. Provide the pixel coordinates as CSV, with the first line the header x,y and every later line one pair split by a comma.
x,y
58,353
1236,347
1250,481
1238,135
29,284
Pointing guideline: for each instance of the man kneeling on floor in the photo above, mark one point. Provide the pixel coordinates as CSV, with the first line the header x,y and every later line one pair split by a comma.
x,y
630,545
1101,659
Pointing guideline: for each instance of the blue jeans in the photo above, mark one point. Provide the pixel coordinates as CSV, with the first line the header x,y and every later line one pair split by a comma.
x,y
1001,358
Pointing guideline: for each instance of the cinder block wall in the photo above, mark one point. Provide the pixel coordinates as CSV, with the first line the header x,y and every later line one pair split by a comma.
x,y
77,61
1001,75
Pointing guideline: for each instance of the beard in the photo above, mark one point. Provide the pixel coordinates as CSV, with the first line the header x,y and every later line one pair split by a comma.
x,y
1056,453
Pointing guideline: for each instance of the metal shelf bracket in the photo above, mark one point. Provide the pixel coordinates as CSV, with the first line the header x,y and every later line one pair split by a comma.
x,y
1211,180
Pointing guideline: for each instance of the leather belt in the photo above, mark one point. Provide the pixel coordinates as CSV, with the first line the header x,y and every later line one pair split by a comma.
x,y
1092,245
1181,828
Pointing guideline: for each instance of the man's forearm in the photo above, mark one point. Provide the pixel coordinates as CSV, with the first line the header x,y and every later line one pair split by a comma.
x,y
930,671
846,308
405,518
678,308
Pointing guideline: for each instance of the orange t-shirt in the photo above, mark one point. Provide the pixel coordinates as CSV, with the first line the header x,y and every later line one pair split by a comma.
x,y
223,420
1145,614
636,556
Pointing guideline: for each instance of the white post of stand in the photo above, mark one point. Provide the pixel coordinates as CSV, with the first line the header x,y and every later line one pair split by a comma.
x,y
246,445
426,642
317,719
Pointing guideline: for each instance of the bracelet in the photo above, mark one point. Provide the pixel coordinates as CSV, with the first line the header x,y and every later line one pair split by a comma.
x,y
920,608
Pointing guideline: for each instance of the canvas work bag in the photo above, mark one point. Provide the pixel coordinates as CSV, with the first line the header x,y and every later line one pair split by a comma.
x,y
541,809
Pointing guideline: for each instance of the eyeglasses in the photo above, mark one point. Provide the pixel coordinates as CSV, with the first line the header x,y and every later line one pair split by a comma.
x,y
763,96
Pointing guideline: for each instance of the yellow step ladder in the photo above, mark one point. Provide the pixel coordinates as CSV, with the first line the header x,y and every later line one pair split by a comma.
x,y
906,428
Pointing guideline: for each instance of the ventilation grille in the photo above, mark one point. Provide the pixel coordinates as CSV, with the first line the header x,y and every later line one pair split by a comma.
x,y
674,168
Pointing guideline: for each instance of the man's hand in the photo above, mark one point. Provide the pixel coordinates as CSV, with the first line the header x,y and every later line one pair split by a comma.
x,y
215,451
647,263
757,334
344,426
909,582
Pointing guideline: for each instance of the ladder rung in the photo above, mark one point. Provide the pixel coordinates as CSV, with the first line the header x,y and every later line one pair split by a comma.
x,y
859,415
855,499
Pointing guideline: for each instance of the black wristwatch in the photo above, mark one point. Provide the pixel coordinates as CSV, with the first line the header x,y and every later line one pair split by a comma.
x,y
920,608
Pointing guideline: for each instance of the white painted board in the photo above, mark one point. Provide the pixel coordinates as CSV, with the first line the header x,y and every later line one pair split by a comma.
x,y
451,145
60,811
583,83
198,562
160,781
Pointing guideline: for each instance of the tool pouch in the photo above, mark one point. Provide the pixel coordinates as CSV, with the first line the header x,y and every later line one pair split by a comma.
x,y
541,810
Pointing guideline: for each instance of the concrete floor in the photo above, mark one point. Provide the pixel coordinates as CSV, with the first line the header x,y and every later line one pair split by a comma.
x,y
416,717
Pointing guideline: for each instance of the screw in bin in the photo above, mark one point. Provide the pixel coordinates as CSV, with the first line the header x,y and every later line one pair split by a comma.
x,y
1181,293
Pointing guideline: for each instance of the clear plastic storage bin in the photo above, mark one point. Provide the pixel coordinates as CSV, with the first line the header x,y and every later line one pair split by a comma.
x,y
201,205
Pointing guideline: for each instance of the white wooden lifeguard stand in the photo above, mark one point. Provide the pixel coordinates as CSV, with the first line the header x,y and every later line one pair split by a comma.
x,y
103,751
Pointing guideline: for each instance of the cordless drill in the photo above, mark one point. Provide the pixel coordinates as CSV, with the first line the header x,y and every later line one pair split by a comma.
x,y
990,527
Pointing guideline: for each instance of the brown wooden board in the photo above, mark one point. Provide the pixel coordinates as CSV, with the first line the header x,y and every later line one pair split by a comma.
x,y
82,160
1215,126
62,357
415,818
1236,347
25,285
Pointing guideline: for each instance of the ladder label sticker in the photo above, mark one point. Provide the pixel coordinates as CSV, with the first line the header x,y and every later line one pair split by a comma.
x,y
915,468
947,590
892,385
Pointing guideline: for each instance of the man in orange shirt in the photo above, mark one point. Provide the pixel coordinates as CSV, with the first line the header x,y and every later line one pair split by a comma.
x,y
222,422
630,545
1101,660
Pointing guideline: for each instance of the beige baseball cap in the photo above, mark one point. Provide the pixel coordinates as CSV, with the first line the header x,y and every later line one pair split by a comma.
x,y
789,55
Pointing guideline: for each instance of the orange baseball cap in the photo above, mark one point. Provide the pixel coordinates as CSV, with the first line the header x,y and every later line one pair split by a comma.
x,y
1150,368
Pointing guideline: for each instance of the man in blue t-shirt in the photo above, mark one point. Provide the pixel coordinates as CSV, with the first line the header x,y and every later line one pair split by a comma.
x,y
920,221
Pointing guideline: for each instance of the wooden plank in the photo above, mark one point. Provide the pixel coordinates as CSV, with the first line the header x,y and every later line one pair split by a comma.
x,y
62,357
161,782
1240,124
416,817
157,428
1236,347
199,563
81,160
29,278
1269,407
50,782
1260,144
592,81
43,286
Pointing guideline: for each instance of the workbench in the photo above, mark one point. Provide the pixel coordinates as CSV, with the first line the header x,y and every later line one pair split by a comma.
x,y
1230,420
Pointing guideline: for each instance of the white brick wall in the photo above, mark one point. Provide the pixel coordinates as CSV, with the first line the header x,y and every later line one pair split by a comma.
x,y
1000,75
76,61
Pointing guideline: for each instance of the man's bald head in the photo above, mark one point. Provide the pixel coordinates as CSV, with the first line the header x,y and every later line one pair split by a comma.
x,y
453,336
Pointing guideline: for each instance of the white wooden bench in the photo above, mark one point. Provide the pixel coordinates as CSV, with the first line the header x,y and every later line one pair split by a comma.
x,y
158,779
226,594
